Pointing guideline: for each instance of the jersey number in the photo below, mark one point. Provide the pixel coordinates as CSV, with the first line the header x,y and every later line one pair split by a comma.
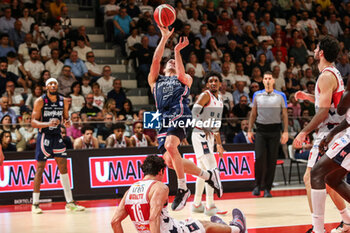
x,y
138,213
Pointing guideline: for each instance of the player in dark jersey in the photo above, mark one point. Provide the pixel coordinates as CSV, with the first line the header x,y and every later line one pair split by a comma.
x,y
48,112
171,93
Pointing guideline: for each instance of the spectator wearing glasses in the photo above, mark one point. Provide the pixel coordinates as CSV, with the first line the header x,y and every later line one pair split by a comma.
x,y
106,81
94,69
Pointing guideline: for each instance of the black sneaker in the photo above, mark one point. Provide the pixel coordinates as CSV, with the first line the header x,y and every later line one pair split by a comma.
x,y
310,230
267,193
256,191
215,182
180,199
239,220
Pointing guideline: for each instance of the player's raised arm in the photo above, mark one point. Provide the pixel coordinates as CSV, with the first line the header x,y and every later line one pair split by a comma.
x,y
158,199
119,215
36,116
179,65
157,57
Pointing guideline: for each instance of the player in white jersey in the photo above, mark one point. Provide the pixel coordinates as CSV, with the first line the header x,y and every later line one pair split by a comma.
x,y
117,138
87,140
208,108
139,139
328,91
332,167
146,204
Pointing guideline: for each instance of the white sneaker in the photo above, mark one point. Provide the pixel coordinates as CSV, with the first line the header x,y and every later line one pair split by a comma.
x,y
197,209
341,228
215,182
213,210
72,206
36,209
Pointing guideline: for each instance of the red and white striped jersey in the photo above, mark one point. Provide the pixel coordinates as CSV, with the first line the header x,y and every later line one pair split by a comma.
x,y
333,117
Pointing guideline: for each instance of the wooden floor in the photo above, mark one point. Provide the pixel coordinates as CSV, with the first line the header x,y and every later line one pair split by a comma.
x,y
278,214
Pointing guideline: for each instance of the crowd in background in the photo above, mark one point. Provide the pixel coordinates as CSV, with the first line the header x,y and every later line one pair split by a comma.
x,y
241,39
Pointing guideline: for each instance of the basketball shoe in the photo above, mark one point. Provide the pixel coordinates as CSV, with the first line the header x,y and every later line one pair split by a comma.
x,y
72,206
180,199
36,209
215,182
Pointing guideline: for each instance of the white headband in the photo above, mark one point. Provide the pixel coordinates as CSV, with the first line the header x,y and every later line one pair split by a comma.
x,y
50,80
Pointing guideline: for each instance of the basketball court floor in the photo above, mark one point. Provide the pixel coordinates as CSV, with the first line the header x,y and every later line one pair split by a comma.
x,y
286,212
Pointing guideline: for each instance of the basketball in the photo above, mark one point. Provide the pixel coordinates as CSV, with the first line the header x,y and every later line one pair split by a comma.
x,y
164,15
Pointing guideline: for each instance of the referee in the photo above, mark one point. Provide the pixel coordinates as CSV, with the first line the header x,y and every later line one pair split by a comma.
x,y
269,108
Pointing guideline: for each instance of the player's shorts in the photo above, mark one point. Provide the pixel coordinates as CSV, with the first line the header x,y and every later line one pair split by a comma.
x,y
185,226
201,145
314,152
172,126
49,146
339,151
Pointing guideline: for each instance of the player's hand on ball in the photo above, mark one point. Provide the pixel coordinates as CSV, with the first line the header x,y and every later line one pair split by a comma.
x,y
183,42
165,32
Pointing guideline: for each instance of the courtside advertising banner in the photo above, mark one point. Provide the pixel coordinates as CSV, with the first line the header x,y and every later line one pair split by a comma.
x,y
117,171
18,175
234,166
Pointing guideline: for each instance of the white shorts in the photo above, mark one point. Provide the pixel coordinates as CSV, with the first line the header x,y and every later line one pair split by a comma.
x,y
188,226
201,145
314,152
339,151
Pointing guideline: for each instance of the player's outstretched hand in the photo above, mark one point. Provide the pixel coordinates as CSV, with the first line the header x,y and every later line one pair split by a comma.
x,y
166,33
300,95
183,42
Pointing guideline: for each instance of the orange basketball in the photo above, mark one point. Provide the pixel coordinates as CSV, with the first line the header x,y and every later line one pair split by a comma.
x,y
164,15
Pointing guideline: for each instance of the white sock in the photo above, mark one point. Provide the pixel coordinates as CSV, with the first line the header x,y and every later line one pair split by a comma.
x,y
66,187
318,198
235,229
209,200
345,215
36,197
181,184
199,191
204,175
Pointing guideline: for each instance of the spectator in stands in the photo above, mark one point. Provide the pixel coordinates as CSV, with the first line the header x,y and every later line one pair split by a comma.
x,y
239,21
204,35
145,7
106,81
45,75
212,47
209,64
65,80
198,50
308,77
257,77
227,58
254,87
280,83
152,35
82,49
294,104
144,54
67,140
34,66
132,9
16,136
249,37
4,46
45,51
193,63
117,138
56,31
15,99
240,85
104,130
306,23
87,140
210,16
99,99
54,65
299,52
36,92
16,35
196,87
240,76
23,49
78,66
270,26
345,37
227,97
195,22
15,66
55,8
110,107
6,21
15,8
279,33
235,52
242,137
132,40
78,100
344,67
139,139
228,77
66,22
266,51
94,69
122,24
28,132
234,35
74,131
145,20
39,37
278,62
90,112
225,21
333,26
117,94
5,139
6,76
278,47
110,11
85,87
127,112
5,109
221,38
292,82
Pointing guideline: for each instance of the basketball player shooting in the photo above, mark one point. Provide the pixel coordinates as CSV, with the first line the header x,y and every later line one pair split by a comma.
x,y
146,204
171,93
328,91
